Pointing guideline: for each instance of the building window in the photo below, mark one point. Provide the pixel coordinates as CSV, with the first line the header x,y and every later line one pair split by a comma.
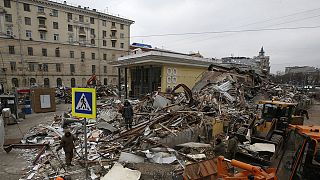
x,y
121,26
105,81
113,24
44,52
82,40
55,25
92,20
104,56
122,45
8,17
32,81
30,51
11,50
121,35
72,68
81,18
104,34
93,69
9,31
93,55
26,7
42,22
92,32
113,33
57,52
81,30
39,67
71,54
105,69
93,42
40,9
27,21
58,67
104,43
70,28
56,37
42,35
7,3
13,66
83,55
70,39
113,43
28,34
59,82
104,23
31,67
46,82
15,82
55,13
69,16
45,67
73,82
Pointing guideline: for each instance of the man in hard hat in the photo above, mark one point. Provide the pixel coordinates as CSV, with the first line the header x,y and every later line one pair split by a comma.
x,y
67,143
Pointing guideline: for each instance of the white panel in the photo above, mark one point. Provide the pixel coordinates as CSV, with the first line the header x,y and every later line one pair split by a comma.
x,y
45,101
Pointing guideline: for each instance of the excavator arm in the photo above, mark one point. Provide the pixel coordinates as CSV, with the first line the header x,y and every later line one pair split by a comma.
x,y
250,171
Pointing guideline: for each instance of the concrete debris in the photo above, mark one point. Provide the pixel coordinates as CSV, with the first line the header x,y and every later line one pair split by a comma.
x,y
169,131
118,172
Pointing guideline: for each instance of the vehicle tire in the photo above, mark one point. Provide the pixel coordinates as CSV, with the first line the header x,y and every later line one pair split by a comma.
x,y
242,130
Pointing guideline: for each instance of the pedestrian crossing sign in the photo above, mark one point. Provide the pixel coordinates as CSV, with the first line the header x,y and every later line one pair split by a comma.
x,y
84,102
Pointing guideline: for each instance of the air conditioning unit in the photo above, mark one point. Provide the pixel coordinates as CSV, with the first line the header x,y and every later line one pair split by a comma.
x,y
51,14
30,39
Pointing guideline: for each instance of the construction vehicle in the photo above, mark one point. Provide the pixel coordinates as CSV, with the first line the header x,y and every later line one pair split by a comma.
x,y
269,129
300,159
250,171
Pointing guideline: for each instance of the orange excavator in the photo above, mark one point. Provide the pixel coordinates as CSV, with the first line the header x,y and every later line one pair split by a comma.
x,y
250,171
93,80
300,159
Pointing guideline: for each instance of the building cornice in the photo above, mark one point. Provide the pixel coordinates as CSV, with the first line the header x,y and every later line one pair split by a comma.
x,y
90,12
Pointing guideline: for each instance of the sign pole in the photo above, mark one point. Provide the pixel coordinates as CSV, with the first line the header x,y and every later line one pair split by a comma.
x,y
86,148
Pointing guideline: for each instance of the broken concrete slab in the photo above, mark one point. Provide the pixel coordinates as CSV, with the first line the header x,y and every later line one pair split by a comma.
x,y
118,172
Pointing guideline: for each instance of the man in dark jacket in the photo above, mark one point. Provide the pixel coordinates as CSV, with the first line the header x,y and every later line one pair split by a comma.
x,y
219,149
67,143
232,147
127,114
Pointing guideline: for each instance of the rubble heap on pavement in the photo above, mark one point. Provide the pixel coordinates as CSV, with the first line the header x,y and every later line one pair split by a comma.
x,y
169,131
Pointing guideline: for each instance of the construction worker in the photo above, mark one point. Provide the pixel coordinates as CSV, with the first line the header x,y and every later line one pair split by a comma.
x,y
219,149
232,146
67,143
127,114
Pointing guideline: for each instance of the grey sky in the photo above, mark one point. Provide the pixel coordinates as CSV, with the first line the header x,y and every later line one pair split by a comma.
x,y
285,47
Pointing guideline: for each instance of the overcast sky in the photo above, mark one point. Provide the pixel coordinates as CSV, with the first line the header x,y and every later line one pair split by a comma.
x,y
285,47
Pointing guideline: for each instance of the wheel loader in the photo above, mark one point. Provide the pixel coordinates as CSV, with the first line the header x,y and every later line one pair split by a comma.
x,y
300,159
263,136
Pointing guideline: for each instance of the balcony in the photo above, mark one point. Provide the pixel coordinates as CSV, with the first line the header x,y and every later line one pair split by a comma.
x,y
113,28
82,33
113,38
41,15
42,27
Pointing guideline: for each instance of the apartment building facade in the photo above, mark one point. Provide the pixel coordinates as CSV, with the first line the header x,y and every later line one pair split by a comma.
x,y
54,44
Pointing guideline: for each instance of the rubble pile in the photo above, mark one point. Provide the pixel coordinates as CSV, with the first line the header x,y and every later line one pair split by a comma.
x,y
169,131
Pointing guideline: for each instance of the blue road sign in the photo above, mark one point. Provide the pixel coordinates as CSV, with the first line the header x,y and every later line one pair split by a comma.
x,y
84,102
